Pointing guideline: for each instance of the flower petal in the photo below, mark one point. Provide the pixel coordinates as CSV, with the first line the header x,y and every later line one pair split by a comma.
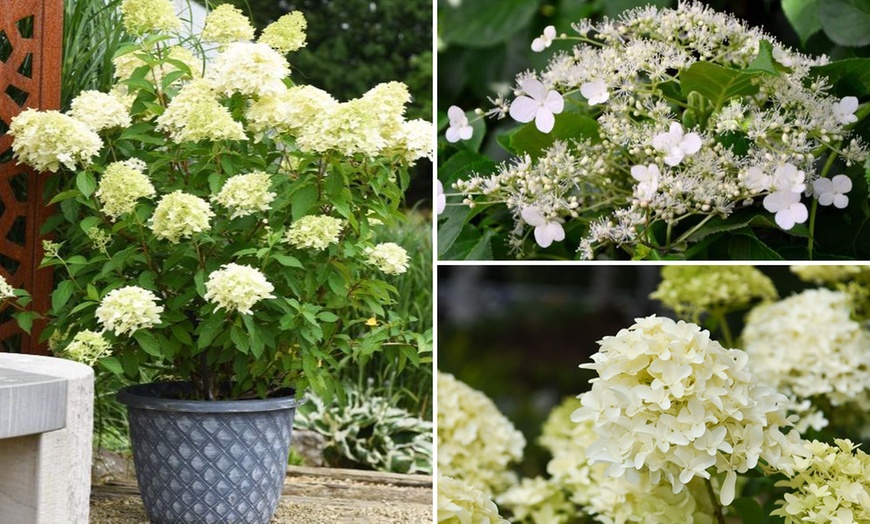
x,y
821,186
826,199
534,89
544,120
849,104
726,494
691,143
674,156
550,33
455,113
841,183
841,201
465,132
784,219
452,135
532,216
640,173
523,109
538,45
798,212
554,102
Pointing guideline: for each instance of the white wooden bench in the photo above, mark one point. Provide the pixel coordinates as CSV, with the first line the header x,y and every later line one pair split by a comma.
x,y
46,427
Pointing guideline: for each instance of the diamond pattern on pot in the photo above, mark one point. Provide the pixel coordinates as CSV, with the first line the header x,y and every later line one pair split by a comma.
x,y
212,469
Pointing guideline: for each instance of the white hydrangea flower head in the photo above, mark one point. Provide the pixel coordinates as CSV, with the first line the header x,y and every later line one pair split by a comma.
x,y
413,140
195,114
226,24
827,274
122,185
829,486
99,111
389,257
314,232
787,208
88,347
844,110
595,92
237,287
536,500
807,345
461,503
252,69
246,194
833,191
287,34
538,104
670,405
545,40
180,215
547,230
46,139
676,144
149,16
476,443
6,291
459,128
290,111
128,309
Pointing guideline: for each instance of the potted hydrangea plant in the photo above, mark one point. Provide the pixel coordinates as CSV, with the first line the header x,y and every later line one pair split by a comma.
x,y
224,244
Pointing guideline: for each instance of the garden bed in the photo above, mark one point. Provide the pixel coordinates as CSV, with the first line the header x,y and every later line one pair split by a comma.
x,y
310,495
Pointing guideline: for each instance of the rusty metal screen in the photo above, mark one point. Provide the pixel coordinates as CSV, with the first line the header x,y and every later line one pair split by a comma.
x,y
31,35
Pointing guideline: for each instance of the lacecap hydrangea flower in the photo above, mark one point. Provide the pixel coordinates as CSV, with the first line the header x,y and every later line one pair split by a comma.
x,y
246,194
88,347
476,443
830,485
99,111
149,16
180,215
195,114
128,309
286,34
226,24
691,291
237,287
46,139
808,345
460,503
670,405
314,232
122,185
252,69
389,257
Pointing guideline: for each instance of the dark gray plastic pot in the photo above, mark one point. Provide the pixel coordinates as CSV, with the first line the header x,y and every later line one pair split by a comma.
x,y
209,462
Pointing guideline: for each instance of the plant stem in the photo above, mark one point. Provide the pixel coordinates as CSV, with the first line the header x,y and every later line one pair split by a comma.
x,y
717,506
724,328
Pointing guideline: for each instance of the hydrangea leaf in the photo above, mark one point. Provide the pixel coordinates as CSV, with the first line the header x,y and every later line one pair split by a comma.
x,y
845,22
764,62
849,77
483,23
717,83
803,16
569,126
746,246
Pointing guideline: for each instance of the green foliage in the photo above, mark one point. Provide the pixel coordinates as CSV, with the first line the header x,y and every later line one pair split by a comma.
x,y
365,430
846,21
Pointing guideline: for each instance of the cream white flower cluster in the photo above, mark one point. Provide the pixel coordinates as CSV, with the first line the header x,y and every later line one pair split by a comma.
x,y
691,291
287,34
461,503
246,194
671,405
252,69
226,24
100,111
46,139
646,162
831,484
808,346
476,443
149,16
88,347
389,257
180,215
6,290
237,287
828,274
122,185
128,309
314,232
196,114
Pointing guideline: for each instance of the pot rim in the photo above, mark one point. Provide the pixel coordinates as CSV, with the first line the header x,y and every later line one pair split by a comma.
x,y
152,396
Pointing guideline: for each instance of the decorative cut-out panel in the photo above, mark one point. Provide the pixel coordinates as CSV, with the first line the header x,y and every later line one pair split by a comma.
x,y
30,62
